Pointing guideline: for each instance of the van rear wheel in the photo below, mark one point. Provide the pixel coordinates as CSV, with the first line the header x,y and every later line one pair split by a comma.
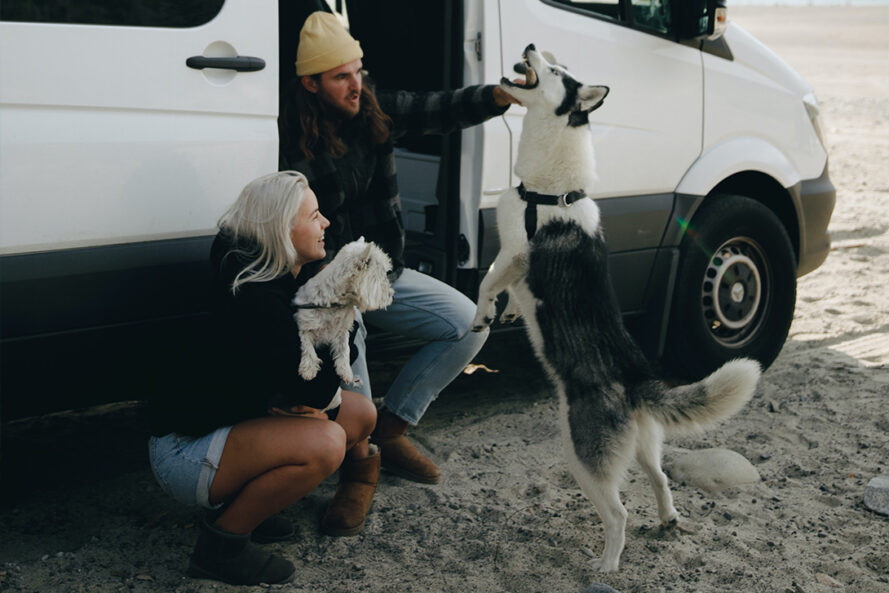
x,y
735,289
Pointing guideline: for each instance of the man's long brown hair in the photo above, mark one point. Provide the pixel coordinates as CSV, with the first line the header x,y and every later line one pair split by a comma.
x,y
311,125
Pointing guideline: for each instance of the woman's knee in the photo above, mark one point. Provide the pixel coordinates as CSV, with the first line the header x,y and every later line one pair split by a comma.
x,y
319,450
363,411
329,448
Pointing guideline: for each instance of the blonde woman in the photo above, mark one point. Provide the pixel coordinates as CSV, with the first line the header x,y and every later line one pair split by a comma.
x,y
250,437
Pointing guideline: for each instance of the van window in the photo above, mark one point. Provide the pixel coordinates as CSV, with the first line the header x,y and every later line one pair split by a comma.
x,y
609,8
651,14
648,15
133,13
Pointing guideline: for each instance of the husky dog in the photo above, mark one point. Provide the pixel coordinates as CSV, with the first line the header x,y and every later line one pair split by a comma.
x,y
553,261
354,279
556,165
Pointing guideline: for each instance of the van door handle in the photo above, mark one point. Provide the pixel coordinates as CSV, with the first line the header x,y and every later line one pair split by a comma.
x,y
239,63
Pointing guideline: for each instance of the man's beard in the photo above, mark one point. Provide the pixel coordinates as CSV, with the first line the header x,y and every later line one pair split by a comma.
x,y
339,112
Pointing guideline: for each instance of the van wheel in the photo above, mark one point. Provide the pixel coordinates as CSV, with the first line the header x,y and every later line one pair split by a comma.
x,y
735,289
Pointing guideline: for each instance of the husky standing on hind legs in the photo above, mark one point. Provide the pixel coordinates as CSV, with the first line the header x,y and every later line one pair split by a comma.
x,y
554,263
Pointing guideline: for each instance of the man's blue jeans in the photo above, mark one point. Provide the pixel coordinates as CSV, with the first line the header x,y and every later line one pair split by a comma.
x,y
426,309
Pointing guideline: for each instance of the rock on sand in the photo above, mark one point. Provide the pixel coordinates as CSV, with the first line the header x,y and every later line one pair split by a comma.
x,y
876,495
712,469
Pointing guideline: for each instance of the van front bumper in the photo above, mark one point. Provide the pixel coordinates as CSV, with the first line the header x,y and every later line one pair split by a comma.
x,y
815,200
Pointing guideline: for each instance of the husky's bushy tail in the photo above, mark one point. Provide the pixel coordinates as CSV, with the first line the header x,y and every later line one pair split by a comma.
x,y
692,408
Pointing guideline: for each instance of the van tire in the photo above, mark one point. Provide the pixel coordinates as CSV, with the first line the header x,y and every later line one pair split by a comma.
x,y
735,288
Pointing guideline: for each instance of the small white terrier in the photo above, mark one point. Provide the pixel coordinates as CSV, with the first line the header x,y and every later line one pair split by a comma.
x,y
354,279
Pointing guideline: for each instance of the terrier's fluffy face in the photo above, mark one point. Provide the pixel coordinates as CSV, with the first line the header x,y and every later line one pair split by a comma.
x,y
363,268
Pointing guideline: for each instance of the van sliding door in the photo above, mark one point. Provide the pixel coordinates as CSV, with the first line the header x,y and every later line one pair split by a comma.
x,y
143,132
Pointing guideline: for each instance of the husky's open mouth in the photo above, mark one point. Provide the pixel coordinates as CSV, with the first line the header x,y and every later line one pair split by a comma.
x,y
524,68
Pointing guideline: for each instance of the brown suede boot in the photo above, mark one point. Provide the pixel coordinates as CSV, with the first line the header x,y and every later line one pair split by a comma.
x,y
400,457
354,493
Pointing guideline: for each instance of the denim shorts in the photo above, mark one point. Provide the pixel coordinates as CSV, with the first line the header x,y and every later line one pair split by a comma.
x,y
185,466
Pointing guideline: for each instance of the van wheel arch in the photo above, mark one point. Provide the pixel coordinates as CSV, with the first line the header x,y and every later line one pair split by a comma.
x,y
767,191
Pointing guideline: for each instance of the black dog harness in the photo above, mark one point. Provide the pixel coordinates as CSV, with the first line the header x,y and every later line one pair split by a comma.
x,y
533,199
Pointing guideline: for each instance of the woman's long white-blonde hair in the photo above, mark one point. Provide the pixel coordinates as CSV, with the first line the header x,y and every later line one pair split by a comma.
x,y
264,213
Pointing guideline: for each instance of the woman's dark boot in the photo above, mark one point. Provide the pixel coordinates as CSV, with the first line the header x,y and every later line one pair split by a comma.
x,y
399,456
358,480
276,528
232,558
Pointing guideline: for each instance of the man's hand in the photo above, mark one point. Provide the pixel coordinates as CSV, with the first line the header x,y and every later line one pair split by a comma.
x,y
504,99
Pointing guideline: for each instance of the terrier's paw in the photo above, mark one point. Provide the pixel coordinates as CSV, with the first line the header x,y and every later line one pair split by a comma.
x,y
347,376
308,375
308,369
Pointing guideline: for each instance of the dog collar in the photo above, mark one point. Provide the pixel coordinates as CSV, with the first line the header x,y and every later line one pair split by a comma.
x,y
532,198
311,306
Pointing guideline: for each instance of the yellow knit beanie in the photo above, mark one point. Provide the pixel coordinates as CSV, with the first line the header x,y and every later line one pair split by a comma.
x,y
324,45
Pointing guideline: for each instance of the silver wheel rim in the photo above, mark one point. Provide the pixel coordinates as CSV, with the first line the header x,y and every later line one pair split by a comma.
x,y
733,291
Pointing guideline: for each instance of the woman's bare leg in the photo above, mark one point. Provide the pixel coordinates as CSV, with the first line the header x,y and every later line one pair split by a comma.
x,y
270,463
357,417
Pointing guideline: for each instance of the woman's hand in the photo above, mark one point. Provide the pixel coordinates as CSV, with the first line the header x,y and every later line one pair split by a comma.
x,y
299,411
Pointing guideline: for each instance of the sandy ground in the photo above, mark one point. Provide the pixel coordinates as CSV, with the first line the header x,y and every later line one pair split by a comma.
x,y
507,515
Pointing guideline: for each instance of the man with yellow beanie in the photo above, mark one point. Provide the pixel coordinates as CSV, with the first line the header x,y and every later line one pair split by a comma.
x,y
340,134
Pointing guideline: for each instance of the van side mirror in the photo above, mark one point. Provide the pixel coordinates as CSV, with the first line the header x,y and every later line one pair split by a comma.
x,y
701,19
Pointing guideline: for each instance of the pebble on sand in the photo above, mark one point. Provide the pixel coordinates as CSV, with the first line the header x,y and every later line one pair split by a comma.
x,y
876,495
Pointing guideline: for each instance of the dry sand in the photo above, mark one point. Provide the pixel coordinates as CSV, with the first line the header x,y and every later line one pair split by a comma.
x,y
507,515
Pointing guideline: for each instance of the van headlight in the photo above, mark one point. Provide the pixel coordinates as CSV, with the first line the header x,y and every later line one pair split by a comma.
x,y
814,112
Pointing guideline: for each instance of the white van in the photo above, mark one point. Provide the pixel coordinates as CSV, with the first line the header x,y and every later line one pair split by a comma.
x,y
127,128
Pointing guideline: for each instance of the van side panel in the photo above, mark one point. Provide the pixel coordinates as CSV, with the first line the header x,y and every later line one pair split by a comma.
x,y
75,289
757,95
108,137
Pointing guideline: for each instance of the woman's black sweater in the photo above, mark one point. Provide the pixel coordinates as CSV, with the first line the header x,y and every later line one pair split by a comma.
x,y
249,358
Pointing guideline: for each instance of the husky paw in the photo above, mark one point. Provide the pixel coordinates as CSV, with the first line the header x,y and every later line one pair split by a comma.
x,y
602,566
510,317
482,324
511,313
485,314
677,526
